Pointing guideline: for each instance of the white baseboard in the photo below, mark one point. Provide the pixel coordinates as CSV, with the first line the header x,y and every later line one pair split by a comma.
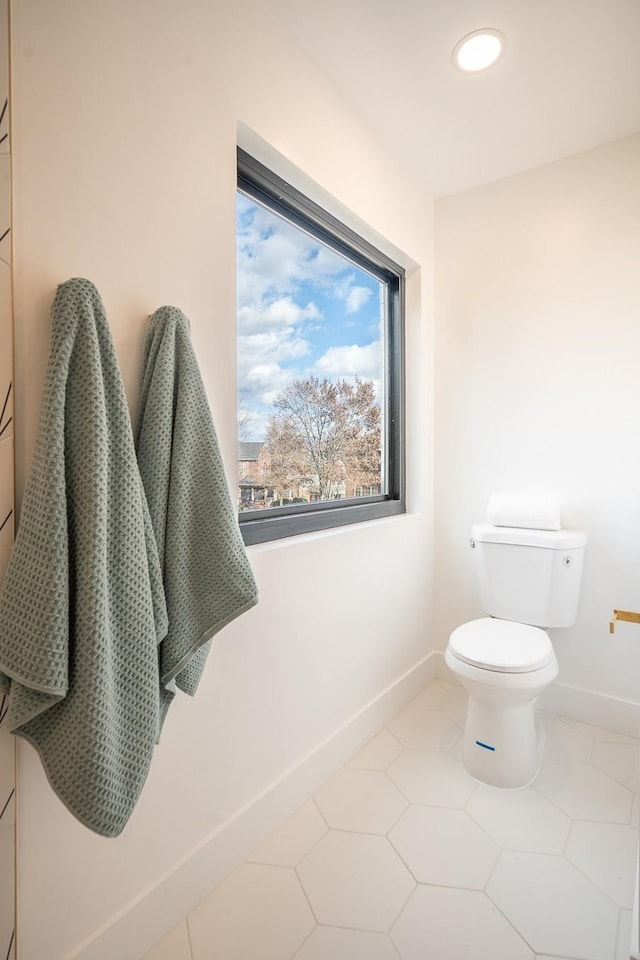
x,y
598,709
144,921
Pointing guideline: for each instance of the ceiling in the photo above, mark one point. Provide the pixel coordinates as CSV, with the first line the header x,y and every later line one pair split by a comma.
x,y
569,78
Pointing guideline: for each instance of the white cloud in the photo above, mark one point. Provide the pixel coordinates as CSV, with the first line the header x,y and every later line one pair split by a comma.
x,y
263,373
266,350
260,386
353,295
271,315
356,298
275,257
264,380
276,345
353,361
269,397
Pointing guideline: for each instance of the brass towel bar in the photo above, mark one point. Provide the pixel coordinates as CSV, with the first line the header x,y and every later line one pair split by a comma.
x,y
623,615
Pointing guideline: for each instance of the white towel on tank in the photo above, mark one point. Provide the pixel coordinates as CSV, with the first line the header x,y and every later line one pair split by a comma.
x,y
535,512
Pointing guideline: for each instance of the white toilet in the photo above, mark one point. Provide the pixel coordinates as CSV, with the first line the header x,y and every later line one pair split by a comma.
x,y
529,580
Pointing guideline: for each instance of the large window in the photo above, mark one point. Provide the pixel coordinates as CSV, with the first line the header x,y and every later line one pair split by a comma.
x,y
320,366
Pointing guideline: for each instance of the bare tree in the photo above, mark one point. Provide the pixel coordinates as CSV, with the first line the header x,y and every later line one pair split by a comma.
x,y
323,432
287,469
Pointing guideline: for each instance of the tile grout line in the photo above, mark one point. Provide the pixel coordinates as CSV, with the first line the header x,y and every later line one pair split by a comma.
x,y
593,882
486,893
189,940
583,763
313,913
619,931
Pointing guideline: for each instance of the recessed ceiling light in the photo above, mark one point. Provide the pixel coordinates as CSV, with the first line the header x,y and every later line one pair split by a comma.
x,y
478,50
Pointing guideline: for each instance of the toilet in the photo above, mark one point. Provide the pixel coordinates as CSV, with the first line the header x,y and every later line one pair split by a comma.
x,y
529,580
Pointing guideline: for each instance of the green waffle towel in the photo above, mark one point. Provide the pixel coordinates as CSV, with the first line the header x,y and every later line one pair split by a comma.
x,y
82,609
207,577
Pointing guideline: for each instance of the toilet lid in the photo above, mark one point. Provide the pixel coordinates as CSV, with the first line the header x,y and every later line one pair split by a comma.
x,y
501,645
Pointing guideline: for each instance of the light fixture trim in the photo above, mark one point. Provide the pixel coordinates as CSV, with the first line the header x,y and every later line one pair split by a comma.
x,y
478,50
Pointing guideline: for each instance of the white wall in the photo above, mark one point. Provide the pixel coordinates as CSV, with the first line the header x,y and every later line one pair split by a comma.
x,y
125,134
538,386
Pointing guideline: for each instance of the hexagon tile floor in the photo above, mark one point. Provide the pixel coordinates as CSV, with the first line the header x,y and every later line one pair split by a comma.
x,y
403,856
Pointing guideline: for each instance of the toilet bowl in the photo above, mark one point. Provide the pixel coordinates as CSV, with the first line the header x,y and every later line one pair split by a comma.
x,y
504,665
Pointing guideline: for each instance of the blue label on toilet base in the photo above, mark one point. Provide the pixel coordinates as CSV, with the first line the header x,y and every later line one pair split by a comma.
x,y
486,746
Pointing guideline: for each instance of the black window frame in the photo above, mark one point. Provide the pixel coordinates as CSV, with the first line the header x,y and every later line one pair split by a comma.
x,y
259,526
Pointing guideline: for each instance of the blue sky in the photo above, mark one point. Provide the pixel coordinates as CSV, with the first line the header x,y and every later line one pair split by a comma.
x,y
301,309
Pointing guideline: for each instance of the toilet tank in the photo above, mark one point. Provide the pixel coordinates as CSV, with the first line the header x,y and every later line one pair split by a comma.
x,y
530,576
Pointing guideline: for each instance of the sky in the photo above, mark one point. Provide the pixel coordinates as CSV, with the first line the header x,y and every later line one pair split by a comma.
x,y
302,309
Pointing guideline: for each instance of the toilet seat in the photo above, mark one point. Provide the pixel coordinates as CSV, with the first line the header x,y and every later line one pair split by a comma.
x,y
501,645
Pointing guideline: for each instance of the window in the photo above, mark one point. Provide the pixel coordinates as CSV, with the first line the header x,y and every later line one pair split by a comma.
x,y
320,366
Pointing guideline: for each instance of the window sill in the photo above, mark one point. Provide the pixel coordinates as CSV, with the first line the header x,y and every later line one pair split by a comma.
x,y
274,528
